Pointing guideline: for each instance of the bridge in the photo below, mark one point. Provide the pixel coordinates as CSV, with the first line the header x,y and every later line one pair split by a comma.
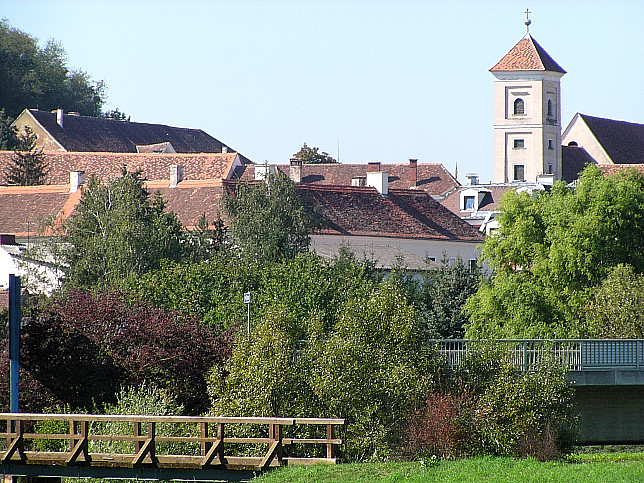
x,y
159,447
608,376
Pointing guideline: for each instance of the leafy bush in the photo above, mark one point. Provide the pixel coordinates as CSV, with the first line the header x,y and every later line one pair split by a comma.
x,y
492,407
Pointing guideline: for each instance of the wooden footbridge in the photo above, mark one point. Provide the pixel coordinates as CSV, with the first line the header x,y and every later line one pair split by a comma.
x,y
159,447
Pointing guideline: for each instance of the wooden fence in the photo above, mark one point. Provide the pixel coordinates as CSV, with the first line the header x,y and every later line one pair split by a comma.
x,y
144,441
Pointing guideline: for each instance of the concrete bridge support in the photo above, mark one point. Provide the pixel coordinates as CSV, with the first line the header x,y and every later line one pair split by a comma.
x,y
611,414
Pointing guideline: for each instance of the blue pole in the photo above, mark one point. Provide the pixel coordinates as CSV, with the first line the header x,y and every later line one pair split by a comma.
x,y
14,340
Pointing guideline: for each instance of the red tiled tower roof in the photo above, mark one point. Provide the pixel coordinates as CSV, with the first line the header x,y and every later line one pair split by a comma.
x,y
527,54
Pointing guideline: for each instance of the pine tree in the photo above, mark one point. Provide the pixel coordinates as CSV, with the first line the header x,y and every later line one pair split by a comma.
x,y
29,166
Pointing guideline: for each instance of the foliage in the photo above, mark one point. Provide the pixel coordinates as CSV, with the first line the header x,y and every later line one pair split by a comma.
x,y
313,156
551,251
205,240
441,297
269,221
617,307
85,347
116,115
118,231
362,365
8,133
144,399
34,76
490,406
29,166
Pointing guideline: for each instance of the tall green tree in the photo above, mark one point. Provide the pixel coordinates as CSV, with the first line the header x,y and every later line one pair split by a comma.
x,y
8,134
29,166
32,76
551,251
268,219
119,230
313,155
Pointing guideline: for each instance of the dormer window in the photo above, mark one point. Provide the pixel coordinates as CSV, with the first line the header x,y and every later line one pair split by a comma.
x,y
468,201
519,107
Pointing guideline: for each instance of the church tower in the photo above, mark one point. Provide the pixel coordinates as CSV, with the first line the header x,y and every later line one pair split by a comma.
x,y
527,113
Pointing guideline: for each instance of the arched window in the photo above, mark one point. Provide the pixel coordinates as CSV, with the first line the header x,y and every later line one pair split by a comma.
x,y
549,107
519,107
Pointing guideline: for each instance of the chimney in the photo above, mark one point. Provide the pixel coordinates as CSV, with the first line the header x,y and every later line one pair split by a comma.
x,y
176,175
59,117
373,166
295,172
413,173
378,180
76,180
472,179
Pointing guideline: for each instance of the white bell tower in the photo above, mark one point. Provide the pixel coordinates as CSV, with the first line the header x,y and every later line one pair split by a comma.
x,y
527,113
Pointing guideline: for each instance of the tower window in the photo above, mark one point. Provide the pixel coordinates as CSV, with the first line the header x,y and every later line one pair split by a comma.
x,y
519,107
519,144
551,144
549,107
550,168
519,172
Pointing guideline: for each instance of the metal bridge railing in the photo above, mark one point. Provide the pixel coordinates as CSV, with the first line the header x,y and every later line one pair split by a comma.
x,y
573,354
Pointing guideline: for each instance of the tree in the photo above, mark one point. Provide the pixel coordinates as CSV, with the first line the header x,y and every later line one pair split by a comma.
x,y
33,76
551,252
116,115
313,156
442,296
268,219
119,231
8,134
29,165
616,309
86,346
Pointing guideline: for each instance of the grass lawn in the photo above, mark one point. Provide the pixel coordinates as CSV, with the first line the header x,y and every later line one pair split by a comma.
x,y
623,467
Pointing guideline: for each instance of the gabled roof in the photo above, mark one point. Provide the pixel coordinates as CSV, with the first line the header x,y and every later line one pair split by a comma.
x,y
84,134
402,214
527,54
573,161
623,141
153,166
609,169
432,178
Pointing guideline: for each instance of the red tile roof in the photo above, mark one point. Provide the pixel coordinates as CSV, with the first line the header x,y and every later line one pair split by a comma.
x,y
26,208
432,178
109,165
403,213
527,54
609,169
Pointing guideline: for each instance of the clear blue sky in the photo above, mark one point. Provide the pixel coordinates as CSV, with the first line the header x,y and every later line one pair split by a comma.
x,y
382,80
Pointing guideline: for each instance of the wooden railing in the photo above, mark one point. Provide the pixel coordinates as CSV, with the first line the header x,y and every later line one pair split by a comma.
x,y
572,354
197,442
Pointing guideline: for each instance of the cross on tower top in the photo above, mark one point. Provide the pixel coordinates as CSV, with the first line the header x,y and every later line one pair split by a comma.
x,y
527,20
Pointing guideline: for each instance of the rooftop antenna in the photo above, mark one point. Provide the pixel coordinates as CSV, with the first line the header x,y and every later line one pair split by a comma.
x,y
527,21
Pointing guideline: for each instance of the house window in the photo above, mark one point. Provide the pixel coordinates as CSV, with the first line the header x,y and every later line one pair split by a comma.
x,y
551,144
468,202
519,172
549,107
471,264
519,107
519,144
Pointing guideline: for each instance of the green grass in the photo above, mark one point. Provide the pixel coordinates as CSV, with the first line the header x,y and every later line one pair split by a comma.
x,y
623,467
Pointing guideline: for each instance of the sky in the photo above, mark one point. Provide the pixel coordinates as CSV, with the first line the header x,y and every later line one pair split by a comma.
x,y
362,80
